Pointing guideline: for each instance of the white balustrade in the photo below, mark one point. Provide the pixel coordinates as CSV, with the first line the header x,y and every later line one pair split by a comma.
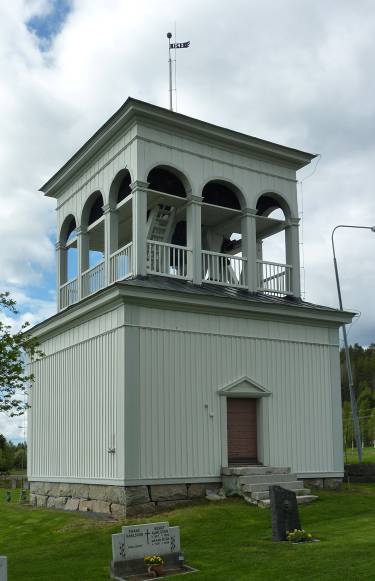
x,y
68,293
223,269
274,277
93,279
167,259
121,265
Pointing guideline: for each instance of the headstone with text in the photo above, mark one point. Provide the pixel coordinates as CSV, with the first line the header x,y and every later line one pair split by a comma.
x,y
138,541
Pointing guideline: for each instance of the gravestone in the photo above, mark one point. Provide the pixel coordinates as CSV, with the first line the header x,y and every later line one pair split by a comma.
x,y
137,541
284,511
3,569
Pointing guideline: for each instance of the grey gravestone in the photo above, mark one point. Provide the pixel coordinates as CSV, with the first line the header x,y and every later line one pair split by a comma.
x,y
175,543
284,510
135,542
3,569
148,539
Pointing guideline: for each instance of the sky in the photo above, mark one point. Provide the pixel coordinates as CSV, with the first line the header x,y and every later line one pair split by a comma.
x,y
297,73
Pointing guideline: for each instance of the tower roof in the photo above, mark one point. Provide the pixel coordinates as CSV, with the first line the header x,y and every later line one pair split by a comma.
x,y
134,110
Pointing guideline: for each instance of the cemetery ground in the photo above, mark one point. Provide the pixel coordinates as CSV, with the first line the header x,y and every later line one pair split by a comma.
x,y
227,540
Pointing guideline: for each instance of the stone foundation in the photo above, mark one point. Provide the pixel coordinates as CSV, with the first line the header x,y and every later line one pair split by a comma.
x,y
119,501
327,483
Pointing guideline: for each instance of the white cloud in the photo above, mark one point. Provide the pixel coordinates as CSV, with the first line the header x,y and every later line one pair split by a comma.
x,y
298,73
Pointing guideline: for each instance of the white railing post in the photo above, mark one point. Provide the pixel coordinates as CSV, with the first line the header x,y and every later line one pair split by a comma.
x,y
249,247
110,238
292,254
82,258
274,277
194,237
223,269
121,264
139,220
167,259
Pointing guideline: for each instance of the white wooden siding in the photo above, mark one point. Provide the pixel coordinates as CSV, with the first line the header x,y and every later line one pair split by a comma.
x,y
77,408
146,380
181,369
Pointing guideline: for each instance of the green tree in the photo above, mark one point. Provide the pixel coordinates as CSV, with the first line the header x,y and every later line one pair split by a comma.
x,y
15,348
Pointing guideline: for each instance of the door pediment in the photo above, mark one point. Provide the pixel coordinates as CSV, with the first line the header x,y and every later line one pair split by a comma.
x,y
244,387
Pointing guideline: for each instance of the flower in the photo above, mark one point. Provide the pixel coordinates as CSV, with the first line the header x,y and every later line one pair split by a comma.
x,y
298,536
153,560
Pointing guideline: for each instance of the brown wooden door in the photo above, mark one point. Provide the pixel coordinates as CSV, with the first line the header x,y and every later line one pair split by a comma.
x,y
242,430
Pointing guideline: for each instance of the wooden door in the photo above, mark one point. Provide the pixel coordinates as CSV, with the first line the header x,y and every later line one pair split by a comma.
x,y
242,430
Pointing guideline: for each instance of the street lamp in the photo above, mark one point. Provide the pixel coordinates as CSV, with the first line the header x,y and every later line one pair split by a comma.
x,y
353,403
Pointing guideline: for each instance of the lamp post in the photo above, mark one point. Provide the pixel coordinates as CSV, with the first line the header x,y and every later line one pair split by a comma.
x,y
353,402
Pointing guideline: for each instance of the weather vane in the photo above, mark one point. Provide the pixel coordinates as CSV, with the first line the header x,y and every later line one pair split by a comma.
x,y
174,45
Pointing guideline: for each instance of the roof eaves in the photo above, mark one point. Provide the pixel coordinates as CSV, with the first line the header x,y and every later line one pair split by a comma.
x,y
297,158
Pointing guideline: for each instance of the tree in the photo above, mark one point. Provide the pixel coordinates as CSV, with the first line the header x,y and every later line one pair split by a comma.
x,y
15,349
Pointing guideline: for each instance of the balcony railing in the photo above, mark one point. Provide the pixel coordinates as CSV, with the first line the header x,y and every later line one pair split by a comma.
x,y
223,269
93,279
69,293
167,259
121,263
174,261
274,277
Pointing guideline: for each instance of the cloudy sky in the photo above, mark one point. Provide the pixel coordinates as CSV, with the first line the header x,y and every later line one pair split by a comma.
x,y
298,73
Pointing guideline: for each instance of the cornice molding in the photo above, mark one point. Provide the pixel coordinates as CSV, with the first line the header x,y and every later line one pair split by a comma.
x,y
134,110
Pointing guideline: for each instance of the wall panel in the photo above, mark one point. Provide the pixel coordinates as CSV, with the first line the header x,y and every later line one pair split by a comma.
x,y
77,412
182,367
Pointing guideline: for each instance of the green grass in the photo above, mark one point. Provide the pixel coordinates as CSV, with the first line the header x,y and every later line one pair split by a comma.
x,y
368,456
227,541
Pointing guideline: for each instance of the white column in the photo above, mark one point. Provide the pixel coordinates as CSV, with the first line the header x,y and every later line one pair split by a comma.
x,y
292,254
82,257
194,238
139,220
110,238
61,269
249,247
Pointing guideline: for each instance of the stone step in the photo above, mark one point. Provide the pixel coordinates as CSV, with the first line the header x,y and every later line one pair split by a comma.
x,y
263,486
264,495
304,499
266,478
253,470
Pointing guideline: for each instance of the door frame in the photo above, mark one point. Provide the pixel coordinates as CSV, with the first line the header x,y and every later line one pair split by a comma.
x,y
244,387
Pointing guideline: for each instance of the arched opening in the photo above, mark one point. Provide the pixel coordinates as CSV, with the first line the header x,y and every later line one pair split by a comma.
x,y
167,180
273,270
120,201
166,222
222,233
92,244
220,194
120,224
273,211
120,188
68,242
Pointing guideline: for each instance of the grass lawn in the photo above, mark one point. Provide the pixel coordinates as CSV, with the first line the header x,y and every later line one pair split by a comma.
x,y
368,456
228,541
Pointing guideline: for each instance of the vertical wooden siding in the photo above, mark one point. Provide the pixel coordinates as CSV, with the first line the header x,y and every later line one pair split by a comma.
x,y
181,371
76,414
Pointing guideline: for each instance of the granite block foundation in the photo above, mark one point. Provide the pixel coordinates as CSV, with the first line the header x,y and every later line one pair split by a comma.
x,y
119,501
327,483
